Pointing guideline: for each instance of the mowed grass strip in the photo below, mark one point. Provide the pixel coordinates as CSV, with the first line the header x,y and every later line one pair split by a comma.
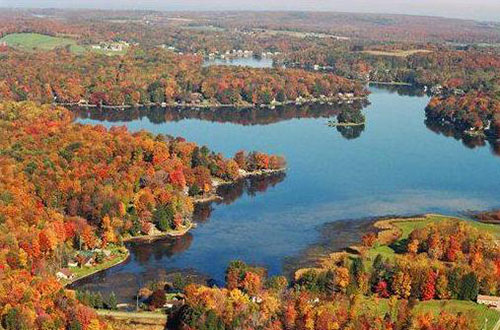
x,y
396,53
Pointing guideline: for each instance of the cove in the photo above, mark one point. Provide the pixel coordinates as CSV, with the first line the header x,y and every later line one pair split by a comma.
x,y
393,165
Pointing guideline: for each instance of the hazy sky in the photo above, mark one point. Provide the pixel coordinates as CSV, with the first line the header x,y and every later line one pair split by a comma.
x,y
476,9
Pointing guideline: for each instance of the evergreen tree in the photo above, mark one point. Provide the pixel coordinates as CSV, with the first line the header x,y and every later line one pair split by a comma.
x,y
454,283
469,288
163,217
356,270
112,301
377,270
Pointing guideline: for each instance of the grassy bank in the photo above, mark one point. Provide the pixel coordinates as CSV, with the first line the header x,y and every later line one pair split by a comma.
x,y
401,228
118,255
484,317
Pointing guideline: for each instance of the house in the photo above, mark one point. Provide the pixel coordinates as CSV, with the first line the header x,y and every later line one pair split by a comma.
x,y
257,300
490,301
72,264
65,274
85,258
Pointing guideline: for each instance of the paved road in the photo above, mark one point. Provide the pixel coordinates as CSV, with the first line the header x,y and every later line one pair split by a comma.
x,y
497,326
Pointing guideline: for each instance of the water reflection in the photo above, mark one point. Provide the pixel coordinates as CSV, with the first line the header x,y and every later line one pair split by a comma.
x,y
230,193
351,132
165,248
241,116
149,261
248,61
396,166
470,141
402,90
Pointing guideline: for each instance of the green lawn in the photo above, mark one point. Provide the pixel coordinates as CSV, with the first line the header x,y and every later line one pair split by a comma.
x,y
35,41
383,250
118,255
408,226
483,315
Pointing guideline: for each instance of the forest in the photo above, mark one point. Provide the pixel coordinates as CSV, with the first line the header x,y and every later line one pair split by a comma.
x,y
67,188
144,77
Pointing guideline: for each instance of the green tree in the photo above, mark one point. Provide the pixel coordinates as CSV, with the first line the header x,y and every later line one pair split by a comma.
x,y
469,288
14,320
356,270
112,301
163,217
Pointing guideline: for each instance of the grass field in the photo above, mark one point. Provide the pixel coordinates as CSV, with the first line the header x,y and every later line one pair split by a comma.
x,y
35,41
408,226
134,320
397,53
485,317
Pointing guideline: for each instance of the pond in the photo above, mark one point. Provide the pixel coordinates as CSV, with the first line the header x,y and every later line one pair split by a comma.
x,y
393,165
250,61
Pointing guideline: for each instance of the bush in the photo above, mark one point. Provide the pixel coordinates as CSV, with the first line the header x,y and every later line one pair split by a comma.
x,y
14,320
157,299
194,190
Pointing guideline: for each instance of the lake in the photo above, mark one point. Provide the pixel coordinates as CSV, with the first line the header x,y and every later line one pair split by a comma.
x,y
253,62
394,165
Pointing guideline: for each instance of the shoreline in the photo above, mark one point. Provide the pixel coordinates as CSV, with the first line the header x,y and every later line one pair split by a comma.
x,y
212,196
215,106
392,83
154,237
118,262
176,233
345,124
385,231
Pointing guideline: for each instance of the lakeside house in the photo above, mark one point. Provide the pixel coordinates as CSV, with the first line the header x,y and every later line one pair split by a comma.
x,y
490,301
65,274
85,258
72,264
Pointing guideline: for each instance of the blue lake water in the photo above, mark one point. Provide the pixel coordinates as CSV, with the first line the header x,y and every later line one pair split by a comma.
x,y
397,165
251,61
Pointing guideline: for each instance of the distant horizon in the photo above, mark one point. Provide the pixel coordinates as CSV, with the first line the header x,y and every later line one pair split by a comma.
x,y
482,10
